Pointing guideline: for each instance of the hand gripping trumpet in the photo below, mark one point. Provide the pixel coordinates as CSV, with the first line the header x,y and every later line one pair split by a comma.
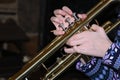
x,y
55,70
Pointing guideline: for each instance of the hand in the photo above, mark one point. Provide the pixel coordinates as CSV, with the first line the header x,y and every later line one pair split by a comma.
x,y
93,42
60,17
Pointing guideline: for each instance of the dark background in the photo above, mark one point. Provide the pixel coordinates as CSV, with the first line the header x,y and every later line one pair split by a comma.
x,y
33,25
76,5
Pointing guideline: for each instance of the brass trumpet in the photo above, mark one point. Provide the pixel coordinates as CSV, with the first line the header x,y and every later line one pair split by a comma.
x,y
67,60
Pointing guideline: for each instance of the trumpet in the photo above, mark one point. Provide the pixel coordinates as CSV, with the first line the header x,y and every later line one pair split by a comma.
x,y
67,60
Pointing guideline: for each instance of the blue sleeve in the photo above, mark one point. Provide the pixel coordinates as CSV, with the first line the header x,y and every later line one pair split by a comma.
x,y
95,70
106,68
112,56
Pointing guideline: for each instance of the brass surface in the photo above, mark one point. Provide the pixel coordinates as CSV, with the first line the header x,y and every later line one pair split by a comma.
x,y
57,43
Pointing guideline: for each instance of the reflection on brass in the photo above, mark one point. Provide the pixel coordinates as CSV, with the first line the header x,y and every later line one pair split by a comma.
x,y
67,60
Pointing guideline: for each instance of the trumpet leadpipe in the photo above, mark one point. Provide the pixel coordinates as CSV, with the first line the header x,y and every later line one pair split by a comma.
x,y
58,42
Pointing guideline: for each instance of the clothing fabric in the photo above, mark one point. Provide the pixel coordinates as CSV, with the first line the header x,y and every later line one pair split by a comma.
x,y
106,68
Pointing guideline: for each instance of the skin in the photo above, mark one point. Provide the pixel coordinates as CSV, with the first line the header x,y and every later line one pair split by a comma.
x,y
93,42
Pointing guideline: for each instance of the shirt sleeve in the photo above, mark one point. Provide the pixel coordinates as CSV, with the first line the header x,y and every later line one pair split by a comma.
x,y
95,70
112,56
107,67
91,66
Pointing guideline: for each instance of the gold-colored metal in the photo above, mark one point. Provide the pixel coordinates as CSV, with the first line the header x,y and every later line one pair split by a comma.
x,y
57,43
70,59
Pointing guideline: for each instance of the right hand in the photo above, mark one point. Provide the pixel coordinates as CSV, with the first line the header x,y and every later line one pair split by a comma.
x,y
60,17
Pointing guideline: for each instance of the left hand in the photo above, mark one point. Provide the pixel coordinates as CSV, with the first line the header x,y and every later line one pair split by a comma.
x,y
93,43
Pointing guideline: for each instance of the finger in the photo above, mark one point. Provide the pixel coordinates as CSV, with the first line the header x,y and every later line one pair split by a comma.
x,y
58,32
67,10
57,26
94,27
69,13
82,16
69,19
99,29
61,18
62,15
59,12
76,36
76,49
69,50
76,42
80,49
56,21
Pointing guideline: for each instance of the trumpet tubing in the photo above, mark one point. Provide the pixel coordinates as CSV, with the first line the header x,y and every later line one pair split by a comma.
x,y
67,60
71,58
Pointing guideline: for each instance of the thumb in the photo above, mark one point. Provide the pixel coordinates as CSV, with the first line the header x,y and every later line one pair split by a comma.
x,y
98,29
95,28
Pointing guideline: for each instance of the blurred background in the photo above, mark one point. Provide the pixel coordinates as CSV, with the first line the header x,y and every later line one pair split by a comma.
x,y
25,29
